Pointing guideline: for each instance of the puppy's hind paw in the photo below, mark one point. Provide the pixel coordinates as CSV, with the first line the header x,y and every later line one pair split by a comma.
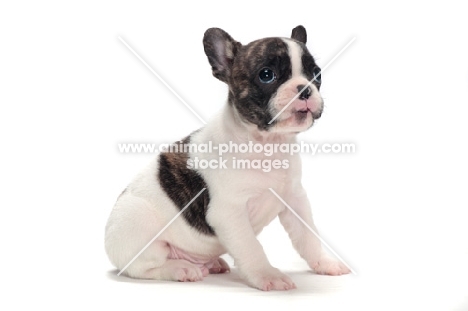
x,y
219,266
187,273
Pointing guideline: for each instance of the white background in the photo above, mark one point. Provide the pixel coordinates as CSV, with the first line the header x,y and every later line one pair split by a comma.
x,y
395,210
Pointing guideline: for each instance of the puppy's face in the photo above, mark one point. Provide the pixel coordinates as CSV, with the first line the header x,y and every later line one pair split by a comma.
x,y
267,75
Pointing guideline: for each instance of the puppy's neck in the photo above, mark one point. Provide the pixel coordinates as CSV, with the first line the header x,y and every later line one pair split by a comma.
x,y
244,131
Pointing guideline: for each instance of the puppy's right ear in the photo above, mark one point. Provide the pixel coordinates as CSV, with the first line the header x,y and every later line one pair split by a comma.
x,y
221,50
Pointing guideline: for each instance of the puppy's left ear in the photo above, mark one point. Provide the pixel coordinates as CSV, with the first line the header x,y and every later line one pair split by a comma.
x,y
299,33
221,50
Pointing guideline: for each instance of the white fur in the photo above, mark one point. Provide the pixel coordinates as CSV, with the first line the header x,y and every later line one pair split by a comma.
x,y
240,207
295,53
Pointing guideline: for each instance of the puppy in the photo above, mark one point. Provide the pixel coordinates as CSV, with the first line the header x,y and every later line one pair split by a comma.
x,y
263,77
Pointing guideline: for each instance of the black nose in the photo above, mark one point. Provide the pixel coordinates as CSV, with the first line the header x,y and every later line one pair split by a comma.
x,y
306,93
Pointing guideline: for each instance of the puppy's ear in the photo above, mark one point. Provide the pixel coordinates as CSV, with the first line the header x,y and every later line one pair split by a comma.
x,y
221,50
299,33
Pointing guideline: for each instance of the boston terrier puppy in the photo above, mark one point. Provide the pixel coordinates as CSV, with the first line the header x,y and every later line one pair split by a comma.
x,y
263,77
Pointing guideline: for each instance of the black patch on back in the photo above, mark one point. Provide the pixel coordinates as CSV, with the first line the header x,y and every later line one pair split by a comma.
x,y
182,184
271,53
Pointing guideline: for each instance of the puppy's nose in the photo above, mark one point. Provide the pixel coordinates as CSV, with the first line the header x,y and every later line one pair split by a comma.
x,y
306,93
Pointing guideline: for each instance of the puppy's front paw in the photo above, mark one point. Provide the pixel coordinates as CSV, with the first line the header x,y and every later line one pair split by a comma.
x,y
327,265
271,279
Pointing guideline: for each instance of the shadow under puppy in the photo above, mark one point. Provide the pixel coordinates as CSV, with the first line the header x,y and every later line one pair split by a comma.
x,y
263,77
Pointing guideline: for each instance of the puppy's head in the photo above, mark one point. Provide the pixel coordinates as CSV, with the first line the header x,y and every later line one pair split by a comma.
x,y
267,75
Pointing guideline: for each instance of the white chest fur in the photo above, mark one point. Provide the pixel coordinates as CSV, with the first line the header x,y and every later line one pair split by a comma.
x,y
247,186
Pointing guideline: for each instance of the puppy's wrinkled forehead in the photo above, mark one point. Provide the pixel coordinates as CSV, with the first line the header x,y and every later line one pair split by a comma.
x,y
263,52
289,57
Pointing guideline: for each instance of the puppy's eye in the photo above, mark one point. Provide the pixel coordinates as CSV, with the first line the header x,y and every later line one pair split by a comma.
x,y
317,75
266,75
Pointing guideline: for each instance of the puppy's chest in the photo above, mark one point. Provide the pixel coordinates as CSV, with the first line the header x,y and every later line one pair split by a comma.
x,y
252,187
262,209
262,205
255,183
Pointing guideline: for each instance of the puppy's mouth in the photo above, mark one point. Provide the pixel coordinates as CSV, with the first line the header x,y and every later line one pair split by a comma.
x,y
302,108
302,114
303,111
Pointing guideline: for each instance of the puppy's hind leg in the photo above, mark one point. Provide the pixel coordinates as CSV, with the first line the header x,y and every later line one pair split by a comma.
x,y
153,263
131,225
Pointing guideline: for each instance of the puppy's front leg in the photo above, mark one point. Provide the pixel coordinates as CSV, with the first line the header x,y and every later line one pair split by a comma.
x,y
304,240
232,226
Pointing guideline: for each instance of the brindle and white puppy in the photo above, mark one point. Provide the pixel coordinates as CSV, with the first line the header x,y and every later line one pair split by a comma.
x,y
263,76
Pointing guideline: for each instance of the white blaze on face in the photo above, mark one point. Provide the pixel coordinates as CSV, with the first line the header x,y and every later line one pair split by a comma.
x,y
295,54
288,120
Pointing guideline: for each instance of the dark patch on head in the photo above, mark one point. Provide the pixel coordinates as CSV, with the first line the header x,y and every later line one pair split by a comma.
x,y
308,62
182,184
309,66
269,53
